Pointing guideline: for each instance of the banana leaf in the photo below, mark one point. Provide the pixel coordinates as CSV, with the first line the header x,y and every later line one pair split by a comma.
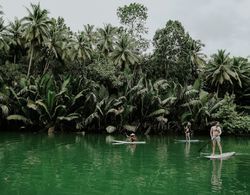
x,y
70,117
157,112
17,117
5,110
110,129
32,105
130,128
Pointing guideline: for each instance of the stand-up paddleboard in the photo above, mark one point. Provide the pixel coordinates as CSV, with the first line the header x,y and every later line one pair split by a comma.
x,y
192,140
117,142
221,156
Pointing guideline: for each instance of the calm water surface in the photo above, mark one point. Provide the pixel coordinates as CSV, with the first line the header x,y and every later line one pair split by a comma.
x,y
73,164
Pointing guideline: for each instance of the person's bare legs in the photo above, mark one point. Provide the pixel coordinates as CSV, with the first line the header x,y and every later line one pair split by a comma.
x,y
213,147
219,146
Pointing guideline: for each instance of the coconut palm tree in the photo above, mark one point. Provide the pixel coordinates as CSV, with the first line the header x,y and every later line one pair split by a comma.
x,y
219,71
197,58
55,45
81,48
105,42
15,33
36,26
241,68
90,34
3,36
123,54
1,12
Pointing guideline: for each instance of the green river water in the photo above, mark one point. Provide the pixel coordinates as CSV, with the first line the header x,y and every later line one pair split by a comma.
x,y
90,164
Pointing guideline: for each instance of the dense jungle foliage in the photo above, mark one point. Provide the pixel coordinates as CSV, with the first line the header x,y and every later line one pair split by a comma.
x,y
105,80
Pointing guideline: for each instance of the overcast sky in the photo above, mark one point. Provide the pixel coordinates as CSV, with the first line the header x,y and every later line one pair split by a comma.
x,y
219,24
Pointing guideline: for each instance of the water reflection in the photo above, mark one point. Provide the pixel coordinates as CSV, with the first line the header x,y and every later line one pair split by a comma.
x,y
216,181
51,134
109,139
187,149
131,148
73,164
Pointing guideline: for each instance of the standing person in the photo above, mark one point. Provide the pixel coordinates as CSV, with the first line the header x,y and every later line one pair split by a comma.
x,y
215,133
187,131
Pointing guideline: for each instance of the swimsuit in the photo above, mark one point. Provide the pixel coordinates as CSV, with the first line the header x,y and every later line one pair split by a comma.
x,y
187,130
216,138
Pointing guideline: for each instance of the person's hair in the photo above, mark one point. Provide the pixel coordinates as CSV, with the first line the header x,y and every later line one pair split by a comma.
x,y
215,123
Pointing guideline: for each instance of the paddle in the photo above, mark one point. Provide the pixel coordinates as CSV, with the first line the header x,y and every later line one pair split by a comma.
x,y
205,145
126,134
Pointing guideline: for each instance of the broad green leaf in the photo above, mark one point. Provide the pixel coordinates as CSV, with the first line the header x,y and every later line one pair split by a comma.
x,y
157,112
31,104
70,117
19,118
44,107
130,127
110,129
5,110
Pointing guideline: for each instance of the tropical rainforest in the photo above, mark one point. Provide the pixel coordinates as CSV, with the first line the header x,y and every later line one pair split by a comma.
x,y
112,79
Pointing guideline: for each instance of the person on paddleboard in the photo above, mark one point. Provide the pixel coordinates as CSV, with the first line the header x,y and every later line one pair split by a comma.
x,y
187,131
132,137
215,133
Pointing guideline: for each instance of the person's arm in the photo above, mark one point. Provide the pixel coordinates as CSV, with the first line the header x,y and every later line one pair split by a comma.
x,y
211,132
220,132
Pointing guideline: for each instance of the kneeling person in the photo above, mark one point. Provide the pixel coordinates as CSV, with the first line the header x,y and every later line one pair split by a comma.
x,y
132,137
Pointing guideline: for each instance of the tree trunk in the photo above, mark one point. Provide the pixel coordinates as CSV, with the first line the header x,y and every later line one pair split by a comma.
x,y
46,67
15,59
31,56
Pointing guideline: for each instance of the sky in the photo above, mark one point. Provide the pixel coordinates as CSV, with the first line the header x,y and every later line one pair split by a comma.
x,y
219,24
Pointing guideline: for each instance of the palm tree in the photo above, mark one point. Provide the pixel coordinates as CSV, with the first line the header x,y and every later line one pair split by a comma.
x,y
106,39
123,54
241,68
90,34
15,33
219,70
3,36
196,57
55,45
81,48
36,25
1,12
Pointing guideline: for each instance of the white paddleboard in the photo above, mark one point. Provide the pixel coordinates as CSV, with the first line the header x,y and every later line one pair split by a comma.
x,y
192,140
117,142
220,156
